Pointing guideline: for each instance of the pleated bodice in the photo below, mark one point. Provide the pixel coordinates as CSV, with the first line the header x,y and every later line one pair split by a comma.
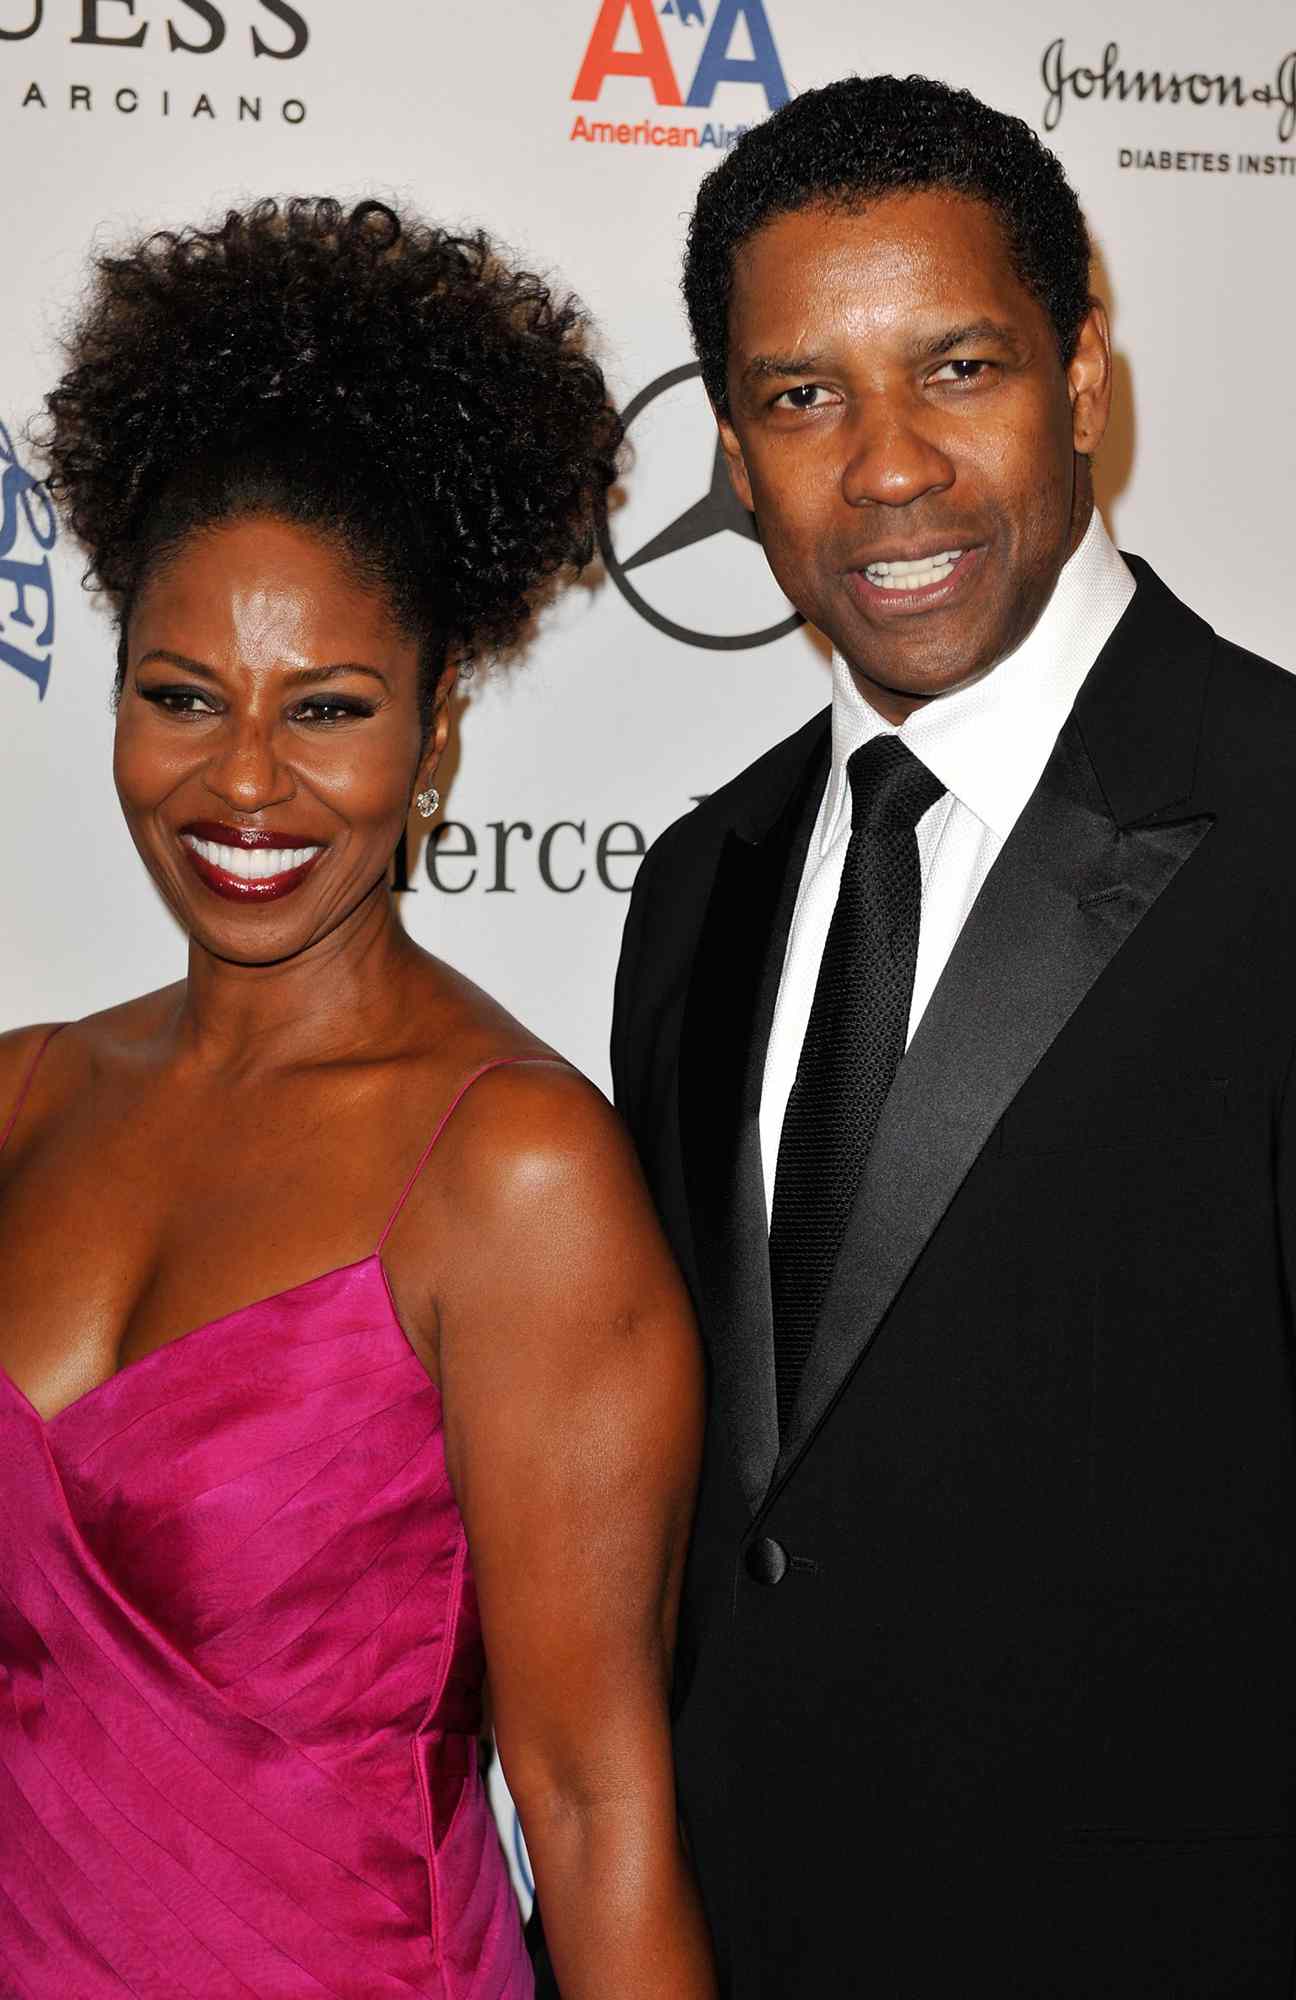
x,y
240,1675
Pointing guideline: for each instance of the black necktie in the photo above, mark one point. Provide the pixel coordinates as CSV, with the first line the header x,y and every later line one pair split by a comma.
x,y
853,1044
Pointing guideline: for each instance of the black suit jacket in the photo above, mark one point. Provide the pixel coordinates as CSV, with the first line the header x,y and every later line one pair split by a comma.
x,y
987,1676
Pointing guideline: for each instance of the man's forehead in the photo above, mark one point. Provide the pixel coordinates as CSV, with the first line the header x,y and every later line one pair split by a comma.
x,y
844,230
926,262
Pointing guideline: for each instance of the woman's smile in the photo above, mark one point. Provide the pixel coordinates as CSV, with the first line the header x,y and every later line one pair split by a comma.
x,y
248,865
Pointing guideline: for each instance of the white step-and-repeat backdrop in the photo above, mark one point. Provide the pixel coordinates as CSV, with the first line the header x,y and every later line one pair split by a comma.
x,y
577,131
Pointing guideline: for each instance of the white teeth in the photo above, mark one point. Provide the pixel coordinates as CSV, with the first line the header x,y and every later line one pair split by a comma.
x,y
914,563
917,574
250,864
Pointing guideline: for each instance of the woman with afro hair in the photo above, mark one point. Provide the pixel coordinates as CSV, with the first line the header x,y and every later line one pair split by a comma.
x,y
254,1573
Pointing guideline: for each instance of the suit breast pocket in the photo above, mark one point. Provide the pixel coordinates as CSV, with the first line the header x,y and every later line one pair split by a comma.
x,y
1117,1112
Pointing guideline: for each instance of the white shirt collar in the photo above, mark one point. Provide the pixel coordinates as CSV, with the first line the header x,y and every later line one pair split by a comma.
x,y
988,742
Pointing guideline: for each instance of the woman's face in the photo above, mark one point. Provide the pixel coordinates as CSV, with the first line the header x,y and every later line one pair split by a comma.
x,y
268,737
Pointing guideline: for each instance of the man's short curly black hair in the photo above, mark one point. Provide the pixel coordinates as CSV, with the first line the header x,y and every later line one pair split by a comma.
x,y
358,372
866,137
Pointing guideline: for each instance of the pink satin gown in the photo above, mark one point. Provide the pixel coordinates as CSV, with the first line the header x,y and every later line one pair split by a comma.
x,y
240,1675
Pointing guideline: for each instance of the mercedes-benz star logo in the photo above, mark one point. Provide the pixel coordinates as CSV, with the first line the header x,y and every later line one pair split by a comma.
x,y
717,512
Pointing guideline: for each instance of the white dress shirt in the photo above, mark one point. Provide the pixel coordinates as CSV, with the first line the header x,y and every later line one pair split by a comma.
x,y
988,744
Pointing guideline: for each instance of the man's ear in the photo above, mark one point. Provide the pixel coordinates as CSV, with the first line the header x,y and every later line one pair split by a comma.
x,y
735,461
1089,380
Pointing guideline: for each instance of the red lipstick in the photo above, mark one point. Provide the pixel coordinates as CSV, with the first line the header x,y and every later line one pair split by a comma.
x,y
248,864
245,836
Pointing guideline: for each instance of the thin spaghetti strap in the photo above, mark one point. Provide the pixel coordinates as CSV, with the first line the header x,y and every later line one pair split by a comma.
x,y
496,1062
26,1084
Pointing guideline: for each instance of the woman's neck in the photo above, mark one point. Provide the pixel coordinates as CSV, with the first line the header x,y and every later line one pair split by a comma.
x,y
339,996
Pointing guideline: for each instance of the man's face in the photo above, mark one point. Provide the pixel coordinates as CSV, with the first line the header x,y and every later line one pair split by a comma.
x,y
896,397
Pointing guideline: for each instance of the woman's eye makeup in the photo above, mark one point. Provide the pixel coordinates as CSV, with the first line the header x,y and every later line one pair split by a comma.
x,y
179,700
313,709
331,708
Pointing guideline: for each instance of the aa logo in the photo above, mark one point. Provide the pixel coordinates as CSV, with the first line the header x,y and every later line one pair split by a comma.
x,y
628,40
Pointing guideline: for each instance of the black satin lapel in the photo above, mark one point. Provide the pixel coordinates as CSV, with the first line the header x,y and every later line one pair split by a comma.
x,y
732,991
1066,892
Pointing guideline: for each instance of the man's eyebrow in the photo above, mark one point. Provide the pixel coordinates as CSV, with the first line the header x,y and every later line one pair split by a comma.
x,y
297,677
762,367
963,336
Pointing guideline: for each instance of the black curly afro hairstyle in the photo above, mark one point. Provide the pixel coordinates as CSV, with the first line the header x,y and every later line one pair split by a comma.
x,y
358,372
865,137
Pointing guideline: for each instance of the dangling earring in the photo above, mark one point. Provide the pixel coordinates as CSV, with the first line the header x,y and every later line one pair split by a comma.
x,y
427,801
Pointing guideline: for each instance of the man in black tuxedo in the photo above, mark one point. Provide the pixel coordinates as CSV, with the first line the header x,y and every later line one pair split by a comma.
x,y
957,1039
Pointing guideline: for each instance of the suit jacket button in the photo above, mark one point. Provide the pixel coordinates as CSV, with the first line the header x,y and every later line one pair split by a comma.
x,y
766,1560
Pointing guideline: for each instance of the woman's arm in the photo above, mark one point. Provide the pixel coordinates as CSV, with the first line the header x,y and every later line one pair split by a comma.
x,y
572,1385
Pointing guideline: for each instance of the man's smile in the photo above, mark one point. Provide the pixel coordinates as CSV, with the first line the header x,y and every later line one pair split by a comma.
x,y
904,585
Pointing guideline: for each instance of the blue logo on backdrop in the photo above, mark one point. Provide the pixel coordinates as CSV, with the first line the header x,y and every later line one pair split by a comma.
x,y
28,530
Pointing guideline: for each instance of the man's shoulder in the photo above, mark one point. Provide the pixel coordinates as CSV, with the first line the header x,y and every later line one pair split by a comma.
x,y
1257,687
1170,692
1261,690
1247,741
746,802
1246,761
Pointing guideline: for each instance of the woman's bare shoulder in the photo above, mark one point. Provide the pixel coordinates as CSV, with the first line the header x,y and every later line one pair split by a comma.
x,y
529,1155
522,1111
533,1138
19,1048
129,1021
